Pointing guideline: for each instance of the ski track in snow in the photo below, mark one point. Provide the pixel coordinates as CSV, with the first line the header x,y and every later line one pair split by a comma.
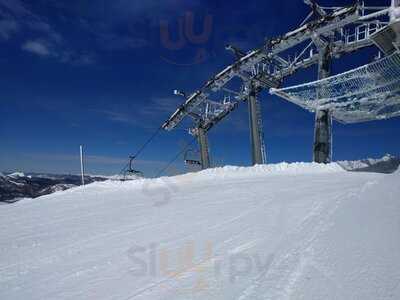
x,y
300,231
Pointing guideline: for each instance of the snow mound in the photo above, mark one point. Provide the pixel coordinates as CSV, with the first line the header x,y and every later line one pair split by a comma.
x,y
271,170
56,188
398,171
298,231
123,177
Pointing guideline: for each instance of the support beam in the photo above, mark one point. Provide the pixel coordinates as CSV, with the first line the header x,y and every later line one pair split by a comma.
x,y
203,144
322,152
256,140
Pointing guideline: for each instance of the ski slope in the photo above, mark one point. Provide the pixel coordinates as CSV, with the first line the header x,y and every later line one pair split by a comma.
x,y
286,231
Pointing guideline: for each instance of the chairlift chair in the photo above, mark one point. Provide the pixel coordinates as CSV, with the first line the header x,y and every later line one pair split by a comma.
x,y
131,170
189,161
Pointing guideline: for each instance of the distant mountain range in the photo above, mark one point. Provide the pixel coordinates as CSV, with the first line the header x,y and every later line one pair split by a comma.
x,y
387,165
16,186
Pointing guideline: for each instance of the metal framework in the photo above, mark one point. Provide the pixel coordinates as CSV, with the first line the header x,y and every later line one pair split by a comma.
x,y
341,30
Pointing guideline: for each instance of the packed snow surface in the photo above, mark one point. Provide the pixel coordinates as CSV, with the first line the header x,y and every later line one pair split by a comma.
x,y
286,231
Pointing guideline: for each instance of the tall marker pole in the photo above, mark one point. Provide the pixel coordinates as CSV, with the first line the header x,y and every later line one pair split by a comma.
x,y
82,166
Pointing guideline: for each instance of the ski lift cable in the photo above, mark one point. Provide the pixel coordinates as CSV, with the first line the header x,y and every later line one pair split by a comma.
x,y
132,157
152,137
176,157
124,169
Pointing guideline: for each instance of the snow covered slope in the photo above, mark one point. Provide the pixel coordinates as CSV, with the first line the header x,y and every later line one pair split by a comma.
x,y
299,231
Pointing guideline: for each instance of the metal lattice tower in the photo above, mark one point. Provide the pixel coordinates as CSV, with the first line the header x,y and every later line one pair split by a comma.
x,y
342,29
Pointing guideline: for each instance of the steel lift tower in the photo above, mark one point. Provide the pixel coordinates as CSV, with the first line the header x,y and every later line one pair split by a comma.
x,y
258,153
323,118
326,34
201,134
322,151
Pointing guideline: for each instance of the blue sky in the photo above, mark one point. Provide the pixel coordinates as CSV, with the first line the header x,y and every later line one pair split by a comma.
x,y
99,73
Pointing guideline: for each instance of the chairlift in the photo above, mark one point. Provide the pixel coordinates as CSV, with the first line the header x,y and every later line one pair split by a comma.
x,y
189,161
131,171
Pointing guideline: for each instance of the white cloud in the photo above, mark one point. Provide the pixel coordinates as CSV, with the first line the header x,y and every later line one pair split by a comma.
x,y
16,16
76,59
84,59
119,117
156,110
161,106
46,48
64,163
111,41
36,47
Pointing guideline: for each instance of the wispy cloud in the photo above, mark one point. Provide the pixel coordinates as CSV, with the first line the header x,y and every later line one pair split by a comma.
x,y
44,48
70,158
91,160
112,42
156,110
15,7
8,28
36,47
16,15
150,10
77,59
69,163
121,25
18,18
161,106
120,117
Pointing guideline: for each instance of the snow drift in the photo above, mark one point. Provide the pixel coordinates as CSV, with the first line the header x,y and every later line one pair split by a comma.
x,y
287,231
